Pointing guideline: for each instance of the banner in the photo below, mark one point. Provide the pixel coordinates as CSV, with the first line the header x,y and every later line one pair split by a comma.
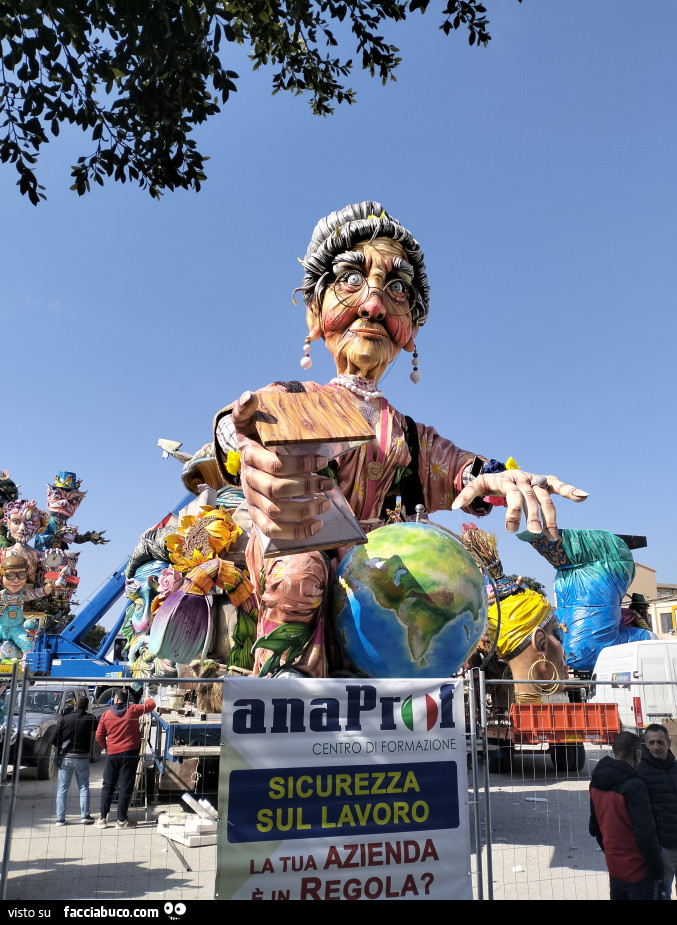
x,y
343,789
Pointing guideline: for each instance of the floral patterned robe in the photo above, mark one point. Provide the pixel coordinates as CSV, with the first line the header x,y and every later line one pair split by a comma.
x,y
295,588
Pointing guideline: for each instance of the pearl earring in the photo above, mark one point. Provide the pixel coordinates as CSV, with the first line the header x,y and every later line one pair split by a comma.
x,y
306,362
415,375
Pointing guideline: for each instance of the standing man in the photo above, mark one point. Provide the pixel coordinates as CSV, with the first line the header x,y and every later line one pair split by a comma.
x,y
658,770
119,734
622,822
73,746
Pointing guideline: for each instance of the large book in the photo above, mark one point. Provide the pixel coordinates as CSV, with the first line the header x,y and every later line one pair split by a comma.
x,y
325,423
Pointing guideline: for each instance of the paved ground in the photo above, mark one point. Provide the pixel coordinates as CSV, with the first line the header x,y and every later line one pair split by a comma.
x,y
83,862
541,846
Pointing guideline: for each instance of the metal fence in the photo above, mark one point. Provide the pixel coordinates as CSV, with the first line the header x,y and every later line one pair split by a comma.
x,y
531,837
529,810
533,800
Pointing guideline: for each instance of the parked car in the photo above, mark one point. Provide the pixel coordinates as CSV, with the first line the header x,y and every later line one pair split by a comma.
x,y
46,704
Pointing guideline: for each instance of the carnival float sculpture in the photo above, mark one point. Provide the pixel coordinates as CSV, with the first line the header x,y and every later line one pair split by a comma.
x,y
24,522
262,541
529,640
64,497
594,569
15,568
192,610
41,539
366,295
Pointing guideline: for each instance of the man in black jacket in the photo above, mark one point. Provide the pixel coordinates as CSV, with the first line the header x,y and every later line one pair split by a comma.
x,y
658,770
73,745
622,822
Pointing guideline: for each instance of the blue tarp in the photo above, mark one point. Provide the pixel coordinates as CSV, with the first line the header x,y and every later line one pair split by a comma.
x,y
589,589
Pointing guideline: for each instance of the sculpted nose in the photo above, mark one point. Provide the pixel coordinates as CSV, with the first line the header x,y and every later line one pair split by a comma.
x,y
373,307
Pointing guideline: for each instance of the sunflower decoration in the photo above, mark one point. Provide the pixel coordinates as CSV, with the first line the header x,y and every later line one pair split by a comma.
x,y
202,537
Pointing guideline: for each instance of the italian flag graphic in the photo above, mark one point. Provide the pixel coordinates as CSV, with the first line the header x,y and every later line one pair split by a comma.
x,y
420,713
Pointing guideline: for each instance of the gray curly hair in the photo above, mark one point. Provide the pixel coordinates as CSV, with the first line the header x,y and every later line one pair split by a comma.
x,y
339,231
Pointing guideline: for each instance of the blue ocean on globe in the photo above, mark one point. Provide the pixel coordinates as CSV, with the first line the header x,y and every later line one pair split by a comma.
x,y
410,603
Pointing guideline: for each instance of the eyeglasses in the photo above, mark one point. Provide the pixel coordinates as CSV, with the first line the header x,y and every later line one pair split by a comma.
x,y
16,576
352,289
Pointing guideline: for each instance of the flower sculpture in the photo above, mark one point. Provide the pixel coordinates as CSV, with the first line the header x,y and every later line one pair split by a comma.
x,y
201,538
183,626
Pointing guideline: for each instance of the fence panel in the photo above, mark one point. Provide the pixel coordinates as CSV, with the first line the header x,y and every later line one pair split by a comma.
x,y
538,842
79,861
528,815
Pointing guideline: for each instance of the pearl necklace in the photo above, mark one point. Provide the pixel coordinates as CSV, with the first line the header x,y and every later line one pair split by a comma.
x,y
363,388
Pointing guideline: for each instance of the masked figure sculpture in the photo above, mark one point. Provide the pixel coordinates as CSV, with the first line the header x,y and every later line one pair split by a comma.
x,y
366,295
24,522
14,630
189,599
64,496
63,499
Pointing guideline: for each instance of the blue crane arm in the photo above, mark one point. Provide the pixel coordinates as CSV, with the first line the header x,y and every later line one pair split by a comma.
x,y
90,615
111,636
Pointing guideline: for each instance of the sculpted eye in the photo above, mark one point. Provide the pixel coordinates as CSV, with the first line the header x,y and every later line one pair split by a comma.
x,y
351,280
399,294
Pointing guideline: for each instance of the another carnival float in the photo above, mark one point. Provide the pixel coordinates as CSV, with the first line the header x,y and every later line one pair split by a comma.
x,y
38,568
540,646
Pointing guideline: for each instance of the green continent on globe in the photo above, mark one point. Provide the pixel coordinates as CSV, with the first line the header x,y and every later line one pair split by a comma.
x,y
411,597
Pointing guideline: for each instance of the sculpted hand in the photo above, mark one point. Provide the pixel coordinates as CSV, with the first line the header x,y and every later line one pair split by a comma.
x,y
522,491
283,492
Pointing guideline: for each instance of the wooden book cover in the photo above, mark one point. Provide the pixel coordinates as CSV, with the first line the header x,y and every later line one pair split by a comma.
x,y
303,422
327,424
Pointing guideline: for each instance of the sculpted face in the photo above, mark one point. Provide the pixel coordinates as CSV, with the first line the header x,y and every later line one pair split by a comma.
x,y
23,520
365,316
14,573
17,527
14,580
540,660
62,501
554,649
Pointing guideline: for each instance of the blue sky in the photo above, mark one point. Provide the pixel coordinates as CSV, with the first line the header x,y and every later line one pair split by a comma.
x,y
538,176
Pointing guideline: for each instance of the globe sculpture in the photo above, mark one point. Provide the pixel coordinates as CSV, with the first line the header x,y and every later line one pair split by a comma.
x,y
410,603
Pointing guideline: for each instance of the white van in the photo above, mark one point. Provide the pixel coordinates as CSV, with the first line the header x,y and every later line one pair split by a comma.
x,y
648,660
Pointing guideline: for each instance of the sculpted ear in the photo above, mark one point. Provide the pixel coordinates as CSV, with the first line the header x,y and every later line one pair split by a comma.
x,y
539,639
314,323
410,345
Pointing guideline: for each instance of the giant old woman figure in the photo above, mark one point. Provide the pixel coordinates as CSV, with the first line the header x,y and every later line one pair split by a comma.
x,y
367,296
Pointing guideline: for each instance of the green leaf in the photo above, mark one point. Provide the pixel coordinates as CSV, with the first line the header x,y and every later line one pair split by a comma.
x,y
150,72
